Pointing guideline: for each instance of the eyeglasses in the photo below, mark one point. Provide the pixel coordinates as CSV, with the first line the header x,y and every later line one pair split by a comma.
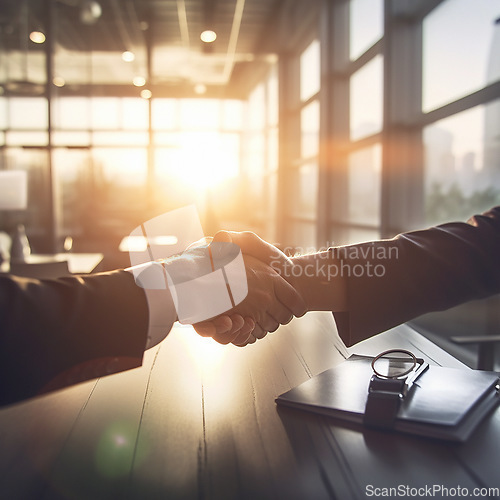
x,y
394,373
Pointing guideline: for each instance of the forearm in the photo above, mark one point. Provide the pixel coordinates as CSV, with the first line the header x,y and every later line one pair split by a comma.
x,y
54,333
390,282
318,279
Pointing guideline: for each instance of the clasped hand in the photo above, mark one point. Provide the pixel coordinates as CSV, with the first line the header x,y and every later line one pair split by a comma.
x,y
271,300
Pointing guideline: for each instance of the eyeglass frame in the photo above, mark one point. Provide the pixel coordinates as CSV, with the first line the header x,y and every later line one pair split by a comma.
x,y
386,393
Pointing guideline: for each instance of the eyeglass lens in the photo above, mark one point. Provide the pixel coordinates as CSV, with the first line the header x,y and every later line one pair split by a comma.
x,y
394,364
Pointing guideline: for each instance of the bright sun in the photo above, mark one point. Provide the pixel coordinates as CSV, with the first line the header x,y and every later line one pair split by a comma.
x,y
204,159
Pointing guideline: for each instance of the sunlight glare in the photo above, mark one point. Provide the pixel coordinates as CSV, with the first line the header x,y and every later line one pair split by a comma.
x,y
206,353
205,159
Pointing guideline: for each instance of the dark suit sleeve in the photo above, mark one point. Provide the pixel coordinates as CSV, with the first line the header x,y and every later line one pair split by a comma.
x,y
54,333
392,281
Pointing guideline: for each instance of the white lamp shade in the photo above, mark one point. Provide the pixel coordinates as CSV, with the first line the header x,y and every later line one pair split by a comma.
x,y
13,190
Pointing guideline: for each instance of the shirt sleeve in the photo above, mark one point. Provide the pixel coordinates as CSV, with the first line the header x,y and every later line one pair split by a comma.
x,y
161,310
392,281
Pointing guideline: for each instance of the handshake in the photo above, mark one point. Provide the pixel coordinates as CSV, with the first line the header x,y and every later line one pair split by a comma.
x,y
279,288
238,287
270,301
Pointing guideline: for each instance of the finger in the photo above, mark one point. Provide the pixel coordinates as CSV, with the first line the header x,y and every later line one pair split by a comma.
x,y
242,328
248,326
268,324
202,242
219,325
252,245
238,323
259,332
224,236
225,337
289,297
280,313
242,339
250,323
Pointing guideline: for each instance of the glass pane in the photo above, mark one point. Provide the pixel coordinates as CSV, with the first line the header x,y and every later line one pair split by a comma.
x,y
365,185
135,113
26,138
120,166
272,150
25,68
310,74
270,201
105,113
272,98
168,139
73,66
366,109
304,193
61,138
214,159
164,114
366,25
232,114
3,113
171,190
120,138
254,187
462,164
255,151
309,125
71,113
199,113
353,235
74,186
36,217
28,113
461,48
302,236
257,108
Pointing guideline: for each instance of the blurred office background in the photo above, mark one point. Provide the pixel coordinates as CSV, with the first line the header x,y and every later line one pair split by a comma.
x,y
310,122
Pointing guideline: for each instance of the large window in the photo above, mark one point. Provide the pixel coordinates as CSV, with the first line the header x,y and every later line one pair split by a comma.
x,y
303,159
462,145
111,170
366,25
461,43
462,164
259,159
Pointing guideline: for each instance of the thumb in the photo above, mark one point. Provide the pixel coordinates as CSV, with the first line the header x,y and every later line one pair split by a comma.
x,y
224,236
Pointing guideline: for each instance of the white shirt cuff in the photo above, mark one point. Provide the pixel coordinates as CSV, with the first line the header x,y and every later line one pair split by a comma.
x,y
162,313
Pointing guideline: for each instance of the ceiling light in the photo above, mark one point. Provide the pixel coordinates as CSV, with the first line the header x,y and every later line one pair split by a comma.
x,y
37,37
128,56
200,88
208,36
90,12
58,81
139,81
146,94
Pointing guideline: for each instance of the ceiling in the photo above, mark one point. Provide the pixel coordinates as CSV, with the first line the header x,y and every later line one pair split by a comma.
x,y
166,30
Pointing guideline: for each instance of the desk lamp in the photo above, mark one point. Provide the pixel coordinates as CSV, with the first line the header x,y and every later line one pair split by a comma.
x,y
14,196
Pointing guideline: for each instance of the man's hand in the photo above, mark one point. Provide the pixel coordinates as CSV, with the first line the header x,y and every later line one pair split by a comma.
x,y
271,300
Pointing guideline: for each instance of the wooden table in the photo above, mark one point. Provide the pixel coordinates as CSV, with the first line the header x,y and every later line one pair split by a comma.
x,y
78,263
199,421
